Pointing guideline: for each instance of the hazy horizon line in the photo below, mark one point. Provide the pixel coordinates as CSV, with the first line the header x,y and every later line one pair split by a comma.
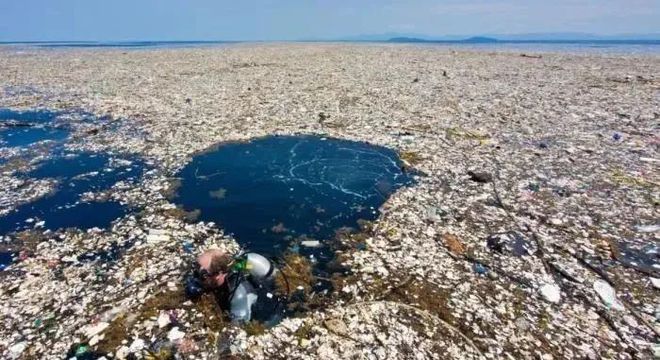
x,y
534,36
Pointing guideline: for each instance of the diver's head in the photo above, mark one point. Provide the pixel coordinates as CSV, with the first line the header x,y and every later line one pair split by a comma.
x,y
210,273
213,267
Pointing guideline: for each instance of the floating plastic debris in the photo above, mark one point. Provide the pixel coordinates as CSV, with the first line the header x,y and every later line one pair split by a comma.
x,y
480,269
647,228
608,295
551,293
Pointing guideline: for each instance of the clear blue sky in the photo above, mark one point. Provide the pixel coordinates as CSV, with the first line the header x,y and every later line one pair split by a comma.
x,y
302,19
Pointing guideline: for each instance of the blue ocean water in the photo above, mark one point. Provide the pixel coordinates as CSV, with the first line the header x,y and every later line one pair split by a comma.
x,y
25,136
274,192
76,174
119,44
28,116
6,258
24,128
563,46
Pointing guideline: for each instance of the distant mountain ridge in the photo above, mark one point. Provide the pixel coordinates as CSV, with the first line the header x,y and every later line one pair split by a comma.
x,y
549,37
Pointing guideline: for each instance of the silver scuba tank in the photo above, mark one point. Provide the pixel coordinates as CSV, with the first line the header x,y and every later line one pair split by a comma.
x,y
260,267
245,295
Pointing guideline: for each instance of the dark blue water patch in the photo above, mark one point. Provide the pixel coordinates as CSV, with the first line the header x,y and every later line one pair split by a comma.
x,y
75,174
123,44
646,259
6,258
25,136
139,44
274,192
70,166
54,118
24,128
28,116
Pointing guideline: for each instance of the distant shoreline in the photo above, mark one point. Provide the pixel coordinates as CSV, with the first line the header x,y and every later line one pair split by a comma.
x,y
487,40
622,47
113,43
472,40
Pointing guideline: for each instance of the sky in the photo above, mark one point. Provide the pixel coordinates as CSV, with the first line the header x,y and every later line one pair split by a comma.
x,y
125,20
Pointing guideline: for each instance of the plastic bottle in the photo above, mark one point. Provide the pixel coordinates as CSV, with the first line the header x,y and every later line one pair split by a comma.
x,y
241,303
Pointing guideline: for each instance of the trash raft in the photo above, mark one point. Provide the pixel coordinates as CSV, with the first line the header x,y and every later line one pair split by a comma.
x,y
53,184
287,198
284,197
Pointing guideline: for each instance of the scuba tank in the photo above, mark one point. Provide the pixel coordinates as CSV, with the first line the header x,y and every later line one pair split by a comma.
x,y
260,268
253,270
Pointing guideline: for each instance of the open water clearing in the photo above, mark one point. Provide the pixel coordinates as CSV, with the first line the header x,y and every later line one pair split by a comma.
x,y
290,193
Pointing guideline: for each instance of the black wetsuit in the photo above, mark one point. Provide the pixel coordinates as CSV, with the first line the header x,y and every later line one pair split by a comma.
x,y
265,309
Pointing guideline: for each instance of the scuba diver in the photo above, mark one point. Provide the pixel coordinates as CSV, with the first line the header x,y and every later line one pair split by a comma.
x,y
241,283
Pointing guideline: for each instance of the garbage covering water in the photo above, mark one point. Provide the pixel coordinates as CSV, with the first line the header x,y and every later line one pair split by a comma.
x,y
55,185
576,199
279,192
